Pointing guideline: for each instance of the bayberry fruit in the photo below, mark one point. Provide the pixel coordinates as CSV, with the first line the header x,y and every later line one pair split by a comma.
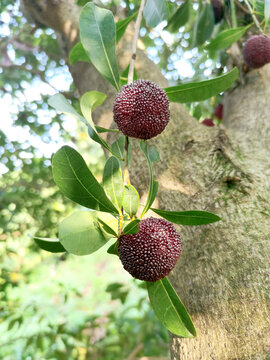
x,y
218,10
208,122
141,109
218,113
256,51
152,253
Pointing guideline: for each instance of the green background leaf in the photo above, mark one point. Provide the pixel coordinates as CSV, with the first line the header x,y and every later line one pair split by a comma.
x,y
206,23
131,200
189,217
48,244
80,233
226,38
98,34
122,25
202,90
77,53
76,181
179,18
155,11
169,309
113,181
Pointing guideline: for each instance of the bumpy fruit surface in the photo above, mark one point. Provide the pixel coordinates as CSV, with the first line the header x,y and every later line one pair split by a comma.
x,y
256,51
141,109
218,9
151,253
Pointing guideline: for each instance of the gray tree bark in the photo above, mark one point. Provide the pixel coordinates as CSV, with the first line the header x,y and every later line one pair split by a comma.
x,y
222,275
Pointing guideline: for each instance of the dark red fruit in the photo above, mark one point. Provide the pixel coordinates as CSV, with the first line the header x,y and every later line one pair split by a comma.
x,y
218,113
151,253
218,9
256,51
141,109
208,122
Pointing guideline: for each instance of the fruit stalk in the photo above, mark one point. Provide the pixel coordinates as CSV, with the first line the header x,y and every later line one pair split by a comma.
x,y
134,44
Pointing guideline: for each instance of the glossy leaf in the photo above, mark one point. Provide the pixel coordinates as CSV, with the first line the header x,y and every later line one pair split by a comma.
x,y
153,185
77,53
108,223
206,23
113,181
131,200
113,249
122,25
60,103
202,90
80,233
179,18
169,309
155,11
89,102
132,227
118,147
189,217
51,245
226,38
98,34
76,181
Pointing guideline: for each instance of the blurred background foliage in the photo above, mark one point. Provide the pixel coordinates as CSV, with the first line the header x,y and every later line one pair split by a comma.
x,y
62,306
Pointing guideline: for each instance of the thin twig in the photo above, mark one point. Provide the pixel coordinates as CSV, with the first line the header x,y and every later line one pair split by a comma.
x,y
134,44
253,16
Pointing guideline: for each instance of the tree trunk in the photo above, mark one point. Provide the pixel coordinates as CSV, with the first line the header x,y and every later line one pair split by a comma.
x,y
222,275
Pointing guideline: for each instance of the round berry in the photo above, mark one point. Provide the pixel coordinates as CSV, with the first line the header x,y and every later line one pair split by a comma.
x,y
151,253
256,51
141,109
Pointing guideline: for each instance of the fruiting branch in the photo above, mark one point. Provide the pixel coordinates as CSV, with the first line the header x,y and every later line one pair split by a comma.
x,y
134,44
256,22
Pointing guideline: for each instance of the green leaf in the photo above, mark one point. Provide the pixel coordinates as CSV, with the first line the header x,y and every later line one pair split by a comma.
x,y
179,18
226,38
103,130
107,228
113,249
77,53
155,11
122,25
118,146
108,223
51,245
113,181
80,233
89,102
150,155
131,200
124,76
169,309
76,181
206,23
132,227
202,90
60,103
98,34
189,217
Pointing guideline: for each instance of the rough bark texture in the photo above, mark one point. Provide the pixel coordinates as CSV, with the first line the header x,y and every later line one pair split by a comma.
x,y
223,273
